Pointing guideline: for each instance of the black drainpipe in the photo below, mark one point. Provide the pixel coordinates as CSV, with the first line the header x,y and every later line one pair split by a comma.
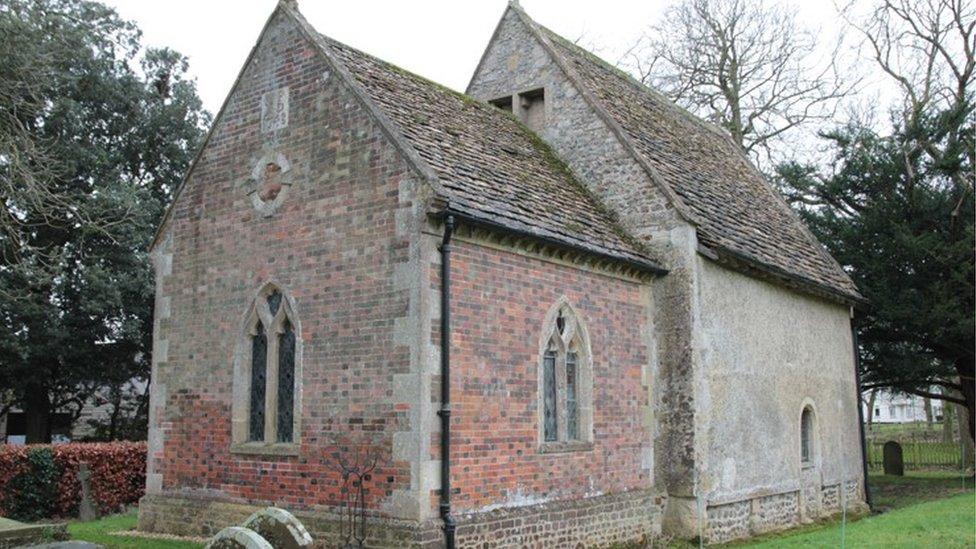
x,y
860,411
445,411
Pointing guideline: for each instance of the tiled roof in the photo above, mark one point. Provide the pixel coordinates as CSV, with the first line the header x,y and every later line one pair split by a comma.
x,y
489,167
738,213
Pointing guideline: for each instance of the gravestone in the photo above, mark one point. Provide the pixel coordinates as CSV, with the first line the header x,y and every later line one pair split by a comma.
x,y
18,534
86,507
269,528
280,528
894,463
236,537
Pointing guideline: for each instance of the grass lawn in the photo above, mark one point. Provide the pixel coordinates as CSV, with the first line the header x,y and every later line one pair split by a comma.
x,y
99,531
934,509
942,523
891,492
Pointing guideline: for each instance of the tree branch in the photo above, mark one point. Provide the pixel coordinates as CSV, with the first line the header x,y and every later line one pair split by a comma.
x,y
748,66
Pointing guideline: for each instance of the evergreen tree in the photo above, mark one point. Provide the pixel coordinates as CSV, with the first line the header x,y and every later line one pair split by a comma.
x,y
902,225
896,209
95,134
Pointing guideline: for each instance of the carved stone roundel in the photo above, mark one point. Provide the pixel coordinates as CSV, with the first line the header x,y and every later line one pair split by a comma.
x,y
269,182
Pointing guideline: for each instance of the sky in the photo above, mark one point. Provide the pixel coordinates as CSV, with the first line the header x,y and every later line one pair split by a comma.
x,y
438,39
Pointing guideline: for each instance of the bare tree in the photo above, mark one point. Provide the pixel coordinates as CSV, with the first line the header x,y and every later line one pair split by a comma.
x,y
745,65
927,48
34,194
26,168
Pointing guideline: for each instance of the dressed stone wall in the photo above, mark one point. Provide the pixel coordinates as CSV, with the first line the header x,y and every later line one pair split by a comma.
x,y
762,514
516,62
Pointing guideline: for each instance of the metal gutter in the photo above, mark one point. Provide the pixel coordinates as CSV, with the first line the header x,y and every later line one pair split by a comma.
x,y
860,411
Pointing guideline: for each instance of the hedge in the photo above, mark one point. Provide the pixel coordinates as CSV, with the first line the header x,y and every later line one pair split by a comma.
x,y
118,477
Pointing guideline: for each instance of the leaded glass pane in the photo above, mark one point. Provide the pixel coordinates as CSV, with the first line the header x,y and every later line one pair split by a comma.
x,y
572,407
549,395
286,383
274,302
259,359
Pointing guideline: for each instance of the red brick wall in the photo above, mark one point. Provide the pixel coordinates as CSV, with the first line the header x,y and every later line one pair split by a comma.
x,y
500,300
335,248
332,246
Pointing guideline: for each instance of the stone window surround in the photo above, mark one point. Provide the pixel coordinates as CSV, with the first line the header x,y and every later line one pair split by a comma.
x,y
258,310
519,101
575,336
813,460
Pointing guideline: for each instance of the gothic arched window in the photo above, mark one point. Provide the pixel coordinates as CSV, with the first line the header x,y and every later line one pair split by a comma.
x,y
565,381
267,374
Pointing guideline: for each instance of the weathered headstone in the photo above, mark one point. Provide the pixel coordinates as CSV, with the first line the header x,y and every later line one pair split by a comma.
x,y
86,507
236,537
894,463
18,534
280,528
269,528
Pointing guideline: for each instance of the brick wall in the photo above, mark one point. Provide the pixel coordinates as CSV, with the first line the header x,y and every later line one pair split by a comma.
x,y
333,245
499,301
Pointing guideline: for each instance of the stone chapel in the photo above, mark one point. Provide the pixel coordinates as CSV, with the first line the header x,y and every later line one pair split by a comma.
x,y
553,311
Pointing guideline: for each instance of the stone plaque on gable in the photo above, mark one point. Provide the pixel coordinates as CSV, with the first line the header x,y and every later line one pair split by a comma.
x,y
274,109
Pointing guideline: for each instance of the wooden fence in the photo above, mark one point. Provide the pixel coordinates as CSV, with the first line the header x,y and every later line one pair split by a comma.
x,y
920,455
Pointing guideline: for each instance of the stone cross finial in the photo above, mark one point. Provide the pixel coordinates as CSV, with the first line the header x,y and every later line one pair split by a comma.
x,y
86,507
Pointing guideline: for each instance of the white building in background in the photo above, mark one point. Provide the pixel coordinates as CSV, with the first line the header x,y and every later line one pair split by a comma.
x,y
891,407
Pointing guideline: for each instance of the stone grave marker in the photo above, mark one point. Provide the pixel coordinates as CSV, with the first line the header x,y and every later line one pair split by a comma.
x,y
86,507
894,463
280,528
236,537
269,528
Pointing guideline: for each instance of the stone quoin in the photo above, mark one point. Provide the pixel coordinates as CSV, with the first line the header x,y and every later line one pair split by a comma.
x,y
643,339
